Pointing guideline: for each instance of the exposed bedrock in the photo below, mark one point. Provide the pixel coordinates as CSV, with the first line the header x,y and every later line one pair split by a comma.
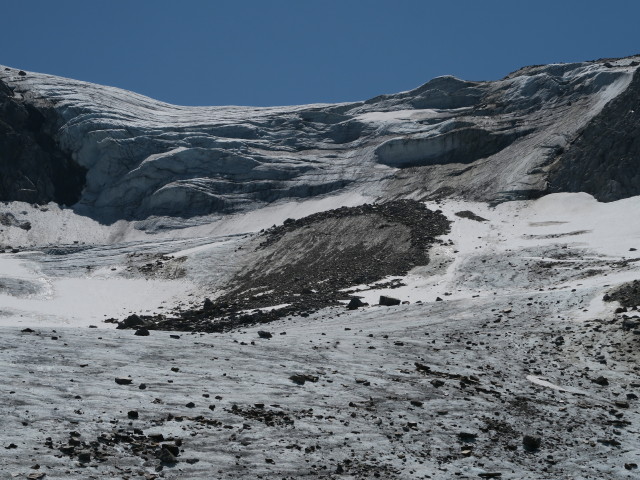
x,y
33,167
527,120
604,159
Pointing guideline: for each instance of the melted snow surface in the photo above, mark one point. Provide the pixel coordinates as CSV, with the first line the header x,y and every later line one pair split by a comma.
x,y
510,287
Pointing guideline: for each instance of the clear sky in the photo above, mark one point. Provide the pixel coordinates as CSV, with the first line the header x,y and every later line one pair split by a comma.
x,y
280,52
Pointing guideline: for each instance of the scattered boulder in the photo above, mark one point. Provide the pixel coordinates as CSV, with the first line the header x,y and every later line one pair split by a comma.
x,y
84,457
142,332
131,321
531,443
355,303
303,378
173,449
264,334
123,381
603,381
467,437
208,304
388,301
9,220
470,215
166,457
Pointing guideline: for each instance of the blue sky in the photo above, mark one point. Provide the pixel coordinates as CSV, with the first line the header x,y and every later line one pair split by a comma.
x,y
281,52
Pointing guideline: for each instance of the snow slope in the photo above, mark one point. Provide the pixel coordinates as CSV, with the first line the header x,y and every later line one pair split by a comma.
x,y
429,389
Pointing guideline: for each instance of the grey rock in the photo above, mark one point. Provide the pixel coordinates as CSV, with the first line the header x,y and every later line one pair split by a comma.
x,y
531,442
602,381
355,303
388,301
84,457
142,332
131,321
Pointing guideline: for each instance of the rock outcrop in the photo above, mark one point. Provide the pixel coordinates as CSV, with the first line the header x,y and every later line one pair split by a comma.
x,y
604,159
33,167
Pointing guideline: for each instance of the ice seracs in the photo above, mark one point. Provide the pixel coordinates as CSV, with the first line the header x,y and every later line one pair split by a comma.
x,y
489,141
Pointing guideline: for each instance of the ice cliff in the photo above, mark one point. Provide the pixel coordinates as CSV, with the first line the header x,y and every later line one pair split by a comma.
x,y
132,157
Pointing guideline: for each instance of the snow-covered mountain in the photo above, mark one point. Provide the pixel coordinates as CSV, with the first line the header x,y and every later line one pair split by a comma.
x,y
441,283
516,138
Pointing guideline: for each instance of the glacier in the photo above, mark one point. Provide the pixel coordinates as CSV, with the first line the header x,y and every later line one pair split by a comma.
x,y
488,141
498,215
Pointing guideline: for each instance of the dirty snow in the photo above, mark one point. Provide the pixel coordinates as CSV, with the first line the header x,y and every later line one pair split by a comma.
x,y
377,406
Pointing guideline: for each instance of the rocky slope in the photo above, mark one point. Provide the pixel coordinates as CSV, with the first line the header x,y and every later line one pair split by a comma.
x,y
519,137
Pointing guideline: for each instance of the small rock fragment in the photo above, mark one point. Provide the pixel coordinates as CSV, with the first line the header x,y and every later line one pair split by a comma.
x,y
601,381
531,442
84,457
166,457
131,321
301,379
175,451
